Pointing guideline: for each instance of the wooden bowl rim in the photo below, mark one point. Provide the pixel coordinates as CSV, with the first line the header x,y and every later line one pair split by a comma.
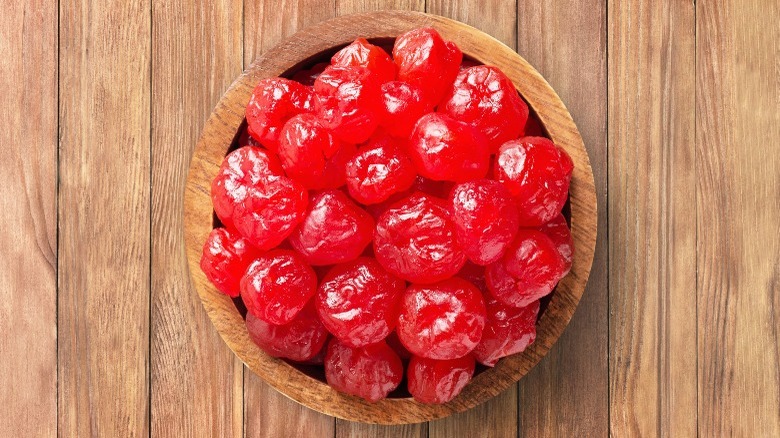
x,y
220,130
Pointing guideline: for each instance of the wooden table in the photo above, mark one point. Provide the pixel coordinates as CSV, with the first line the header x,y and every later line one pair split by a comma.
x,y
677,335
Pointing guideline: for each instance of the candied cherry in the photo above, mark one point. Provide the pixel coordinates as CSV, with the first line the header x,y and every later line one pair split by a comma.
x,y
474,274
424,59
445,149
305,147
277,285
226,255
251,194
558,231
358,302
438,381
537,173
349,102
361,53
334,230
301,339
369,372
486,219
404,104
484,97
508,330
308,76
415,239
529,270
443,320
273,102
378,170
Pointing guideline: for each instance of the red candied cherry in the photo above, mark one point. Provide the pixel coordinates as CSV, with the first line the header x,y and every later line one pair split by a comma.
x,y
439,189
424,59
484,97
537,173
558,231
277,285
308,76
415,240
305,147
369,372
509,330
251,194
529,270
442,320
474,274
301,339
349,102
379,169
445,149
486,219
334,230
438,381
226,255
273,102
404,105
358,302
361,53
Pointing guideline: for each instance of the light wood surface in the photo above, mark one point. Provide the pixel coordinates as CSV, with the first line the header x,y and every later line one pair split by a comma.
x,y
94,156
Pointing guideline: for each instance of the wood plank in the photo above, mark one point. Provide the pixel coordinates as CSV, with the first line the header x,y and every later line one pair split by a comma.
x,y
266,411
28,211
566,393
348,429
652,229
103,319
197,382
738,204
498,416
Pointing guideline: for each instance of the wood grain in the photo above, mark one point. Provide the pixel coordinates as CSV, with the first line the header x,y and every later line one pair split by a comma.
x,y
266,410
738,204
348,429
652,227
28,211
225,121
567,393
103,319
498,416
197,382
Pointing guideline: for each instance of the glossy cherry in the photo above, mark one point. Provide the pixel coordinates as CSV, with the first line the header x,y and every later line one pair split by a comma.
x,y
558,231
442,320
486,219
509,330
415,239
484,97
334,230
349,102
537,173
251,194
273,102
404,104
424,59
378,170
226,255
369,372
277,285
445,149
361,53
529,270
358,302
301,339
438,381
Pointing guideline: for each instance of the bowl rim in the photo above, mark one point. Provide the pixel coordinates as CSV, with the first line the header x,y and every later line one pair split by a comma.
x,y
218,134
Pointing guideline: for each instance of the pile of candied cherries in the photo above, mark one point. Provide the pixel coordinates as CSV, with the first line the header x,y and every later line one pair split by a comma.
x,y
384,215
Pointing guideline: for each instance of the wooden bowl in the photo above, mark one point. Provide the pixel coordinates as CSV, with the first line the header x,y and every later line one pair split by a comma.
x,y
317,43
